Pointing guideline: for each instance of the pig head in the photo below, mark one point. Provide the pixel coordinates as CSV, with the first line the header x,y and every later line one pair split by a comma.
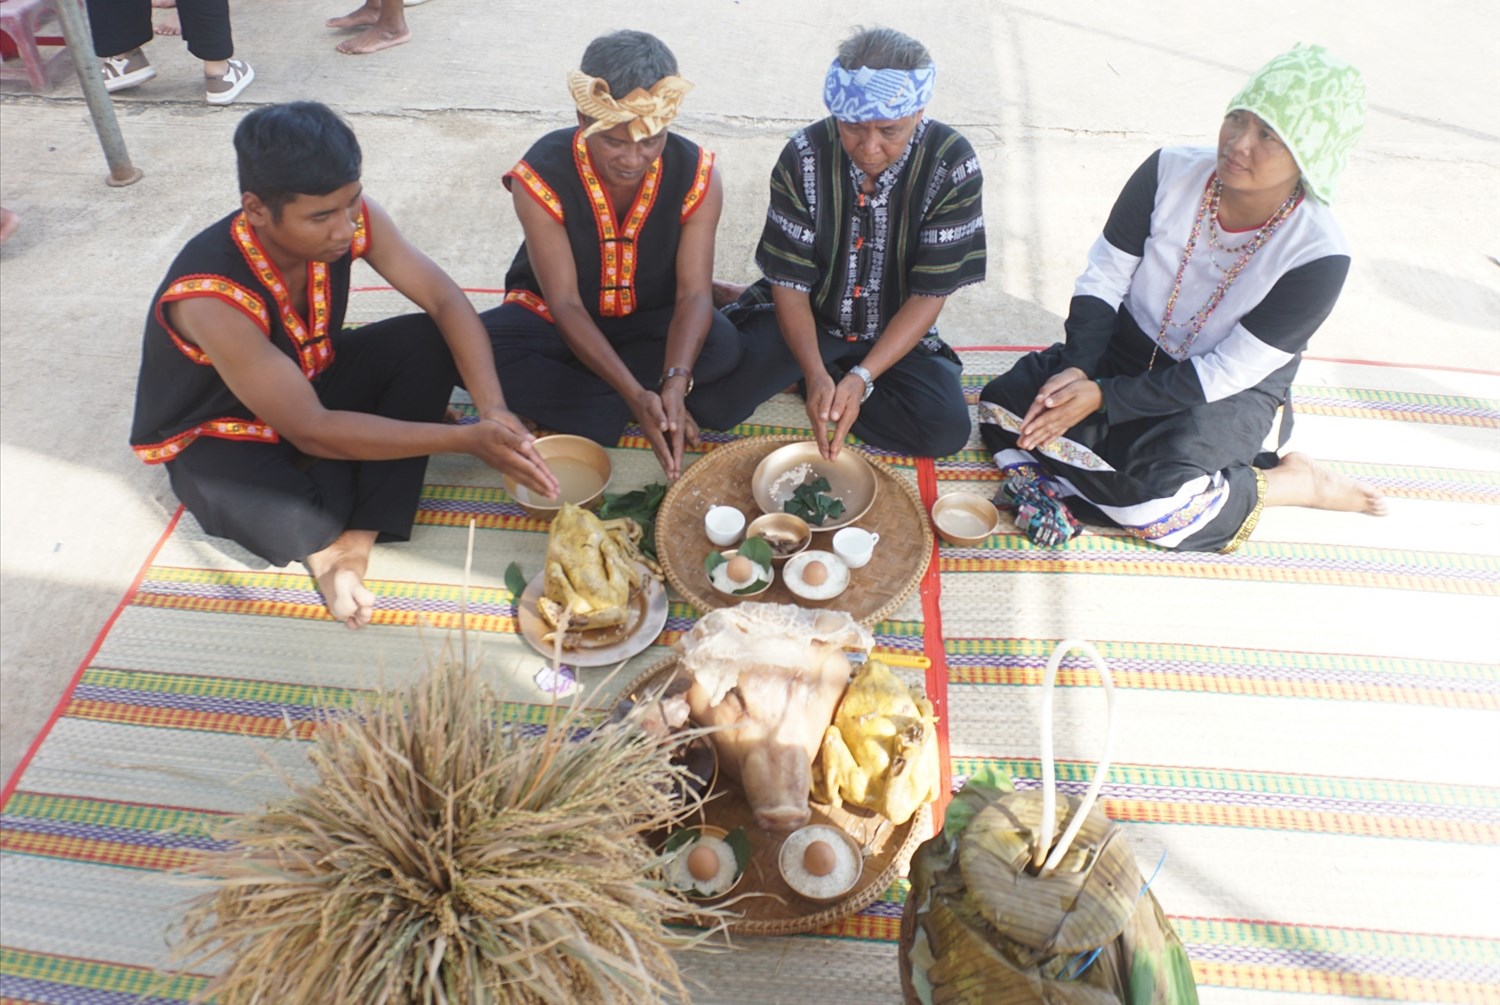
x,y
770,677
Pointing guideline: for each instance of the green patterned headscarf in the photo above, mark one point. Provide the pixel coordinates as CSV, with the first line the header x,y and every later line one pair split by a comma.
x,y
1316,104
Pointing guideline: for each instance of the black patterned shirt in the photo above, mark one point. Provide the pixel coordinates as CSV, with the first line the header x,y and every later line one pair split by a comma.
x,y
860,257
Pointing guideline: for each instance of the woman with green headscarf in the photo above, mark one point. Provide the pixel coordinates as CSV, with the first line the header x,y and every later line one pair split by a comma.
x,y
1214,269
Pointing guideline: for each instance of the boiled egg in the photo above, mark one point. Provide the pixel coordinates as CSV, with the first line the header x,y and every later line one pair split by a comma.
x,y
703,867
738,573
816,575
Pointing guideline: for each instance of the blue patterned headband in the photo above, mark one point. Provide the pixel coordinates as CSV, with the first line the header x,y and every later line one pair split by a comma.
x,y
866,95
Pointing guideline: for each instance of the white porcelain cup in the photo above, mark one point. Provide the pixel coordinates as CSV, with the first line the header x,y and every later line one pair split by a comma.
x,y
855,546
724,525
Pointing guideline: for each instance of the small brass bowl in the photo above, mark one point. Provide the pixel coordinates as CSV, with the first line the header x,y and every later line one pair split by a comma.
x,y
731,553
786,533
965,519
582,468
789,863
851,479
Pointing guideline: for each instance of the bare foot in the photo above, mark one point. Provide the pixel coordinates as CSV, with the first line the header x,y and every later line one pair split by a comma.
x,y
372,40
9,221
364,16
1301,481
164,4
725,293
339,571
169,25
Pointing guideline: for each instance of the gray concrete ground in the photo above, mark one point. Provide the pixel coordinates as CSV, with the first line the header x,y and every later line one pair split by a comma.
x,y
1062,99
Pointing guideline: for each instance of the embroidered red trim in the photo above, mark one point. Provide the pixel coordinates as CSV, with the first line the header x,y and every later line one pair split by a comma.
x,y
617,245
219,288
532,303
537,189
225,429
361,243
694,197
314,350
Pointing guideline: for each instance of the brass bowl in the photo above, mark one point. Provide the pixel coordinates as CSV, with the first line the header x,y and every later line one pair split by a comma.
x,y
784,529
965,519
582,468
709,830
788,864
731,553
850,479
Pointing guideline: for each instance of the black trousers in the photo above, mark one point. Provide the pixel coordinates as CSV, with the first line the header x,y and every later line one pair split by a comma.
x,y
547,384
269,499
121,25
917,409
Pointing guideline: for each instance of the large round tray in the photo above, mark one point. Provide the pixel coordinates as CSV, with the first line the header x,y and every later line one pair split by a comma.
x,y
784,912
723,476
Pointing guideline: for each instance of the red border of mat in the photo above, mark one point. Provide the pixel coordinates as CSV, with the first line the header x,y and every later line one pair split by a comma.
x,y
932,645
88,657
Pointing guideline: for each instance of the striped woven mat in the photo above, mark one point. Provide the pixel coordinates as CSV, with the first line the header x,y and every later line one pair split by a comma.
x,y
1308,728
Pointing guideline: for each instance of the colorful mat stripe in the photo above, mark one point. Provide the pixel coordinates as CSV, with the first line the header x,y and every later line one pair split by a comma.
x,y
1308,564
1219,670
45,979
1358,403
1264,801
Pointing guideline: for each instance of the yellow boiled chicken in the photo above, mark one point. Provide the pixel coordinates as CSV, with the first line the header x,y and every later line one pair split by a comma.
x,y
593,568
881,752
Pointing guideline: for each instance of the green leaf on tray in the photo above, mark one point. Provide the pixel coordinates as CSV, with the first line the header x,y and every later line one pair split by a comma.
x,y
641,506
712,561
680,838
739,841
515,580
812,503
757,550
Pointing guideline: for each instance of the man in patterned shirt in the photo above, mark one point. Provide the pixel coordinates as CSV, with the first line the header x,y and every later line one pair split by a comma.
x,y
875,219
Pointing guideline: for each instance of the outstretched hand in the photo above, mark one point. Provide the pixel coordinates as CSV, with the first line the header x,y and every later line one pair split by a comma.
x,y
504,443
1066,399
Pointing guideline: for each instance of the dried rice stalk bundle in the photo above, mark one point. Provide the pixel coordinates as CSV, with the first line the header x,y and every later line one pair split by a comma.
x,y
444,857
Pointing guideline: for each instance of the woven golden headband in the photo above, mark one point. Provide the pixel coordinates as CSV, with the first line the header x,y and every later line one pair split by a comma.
x,y
648,112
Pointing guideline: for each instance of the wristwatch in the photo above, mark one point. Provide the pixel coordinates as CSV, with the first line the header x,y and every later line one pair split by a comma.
x,y
865,376
676,371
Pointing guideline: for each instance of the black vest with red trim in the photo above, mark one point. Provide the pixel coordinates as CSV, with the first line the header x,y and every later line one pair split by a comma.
x,y
625,264
180,396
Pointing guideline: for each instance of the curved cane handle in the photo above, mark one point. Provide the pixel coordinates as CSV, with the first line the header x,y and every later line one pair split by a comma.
x,y
1049,779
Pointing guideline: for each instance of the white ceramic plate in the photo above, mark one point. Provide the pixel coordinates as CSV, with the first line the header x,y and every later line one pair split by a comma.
x,y
648,614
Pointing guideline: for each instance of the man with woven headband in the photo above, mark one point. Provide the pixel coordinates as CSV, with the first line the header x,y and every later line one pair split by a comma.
x,y
1215,267
608,313
875,218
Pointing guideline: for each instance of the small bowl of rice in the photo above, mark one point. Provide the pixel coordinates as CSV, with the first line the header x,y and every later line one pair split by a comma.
x,y
821,863
708,861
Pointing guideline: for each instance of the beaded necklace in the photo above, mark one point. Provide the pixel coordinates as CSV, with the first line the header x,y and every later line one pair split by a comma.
x,y
1208,209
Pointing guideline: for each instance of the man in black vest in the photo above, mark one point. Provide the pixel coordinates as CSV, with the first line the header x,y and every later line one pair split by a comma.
x,y
279,429
608,312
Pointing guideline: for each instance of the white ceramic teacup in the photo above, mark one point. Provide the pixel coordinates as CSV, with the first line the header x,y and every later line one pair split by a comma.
x,y
723,525
855,546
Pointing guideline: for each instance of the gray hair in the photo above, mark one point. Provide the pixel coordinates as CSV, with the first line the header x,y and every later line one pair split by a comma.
x,y
628,59
882,49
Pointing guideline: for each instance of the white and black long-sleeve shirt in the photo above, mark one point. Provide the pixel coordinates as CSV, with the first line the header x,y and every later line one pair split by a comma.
x,y
1258,331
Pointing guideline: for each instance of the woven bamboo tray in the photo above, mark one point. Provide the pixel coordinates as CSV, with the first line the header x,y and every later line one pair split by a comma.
x,y
722,477
784,912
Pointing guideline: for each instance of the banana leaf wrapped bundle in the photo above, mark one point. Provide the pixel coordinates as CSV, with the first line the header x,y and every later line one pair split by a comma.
x,y
1001,914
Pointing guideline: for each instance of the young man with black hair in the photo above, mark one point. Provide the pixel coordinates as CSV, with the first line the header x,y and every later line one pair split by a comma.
x,y
279,429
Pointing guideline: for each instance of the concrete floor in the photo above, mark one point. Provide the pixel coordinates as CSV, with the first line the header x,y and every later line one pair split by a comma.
x,y
1062,100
